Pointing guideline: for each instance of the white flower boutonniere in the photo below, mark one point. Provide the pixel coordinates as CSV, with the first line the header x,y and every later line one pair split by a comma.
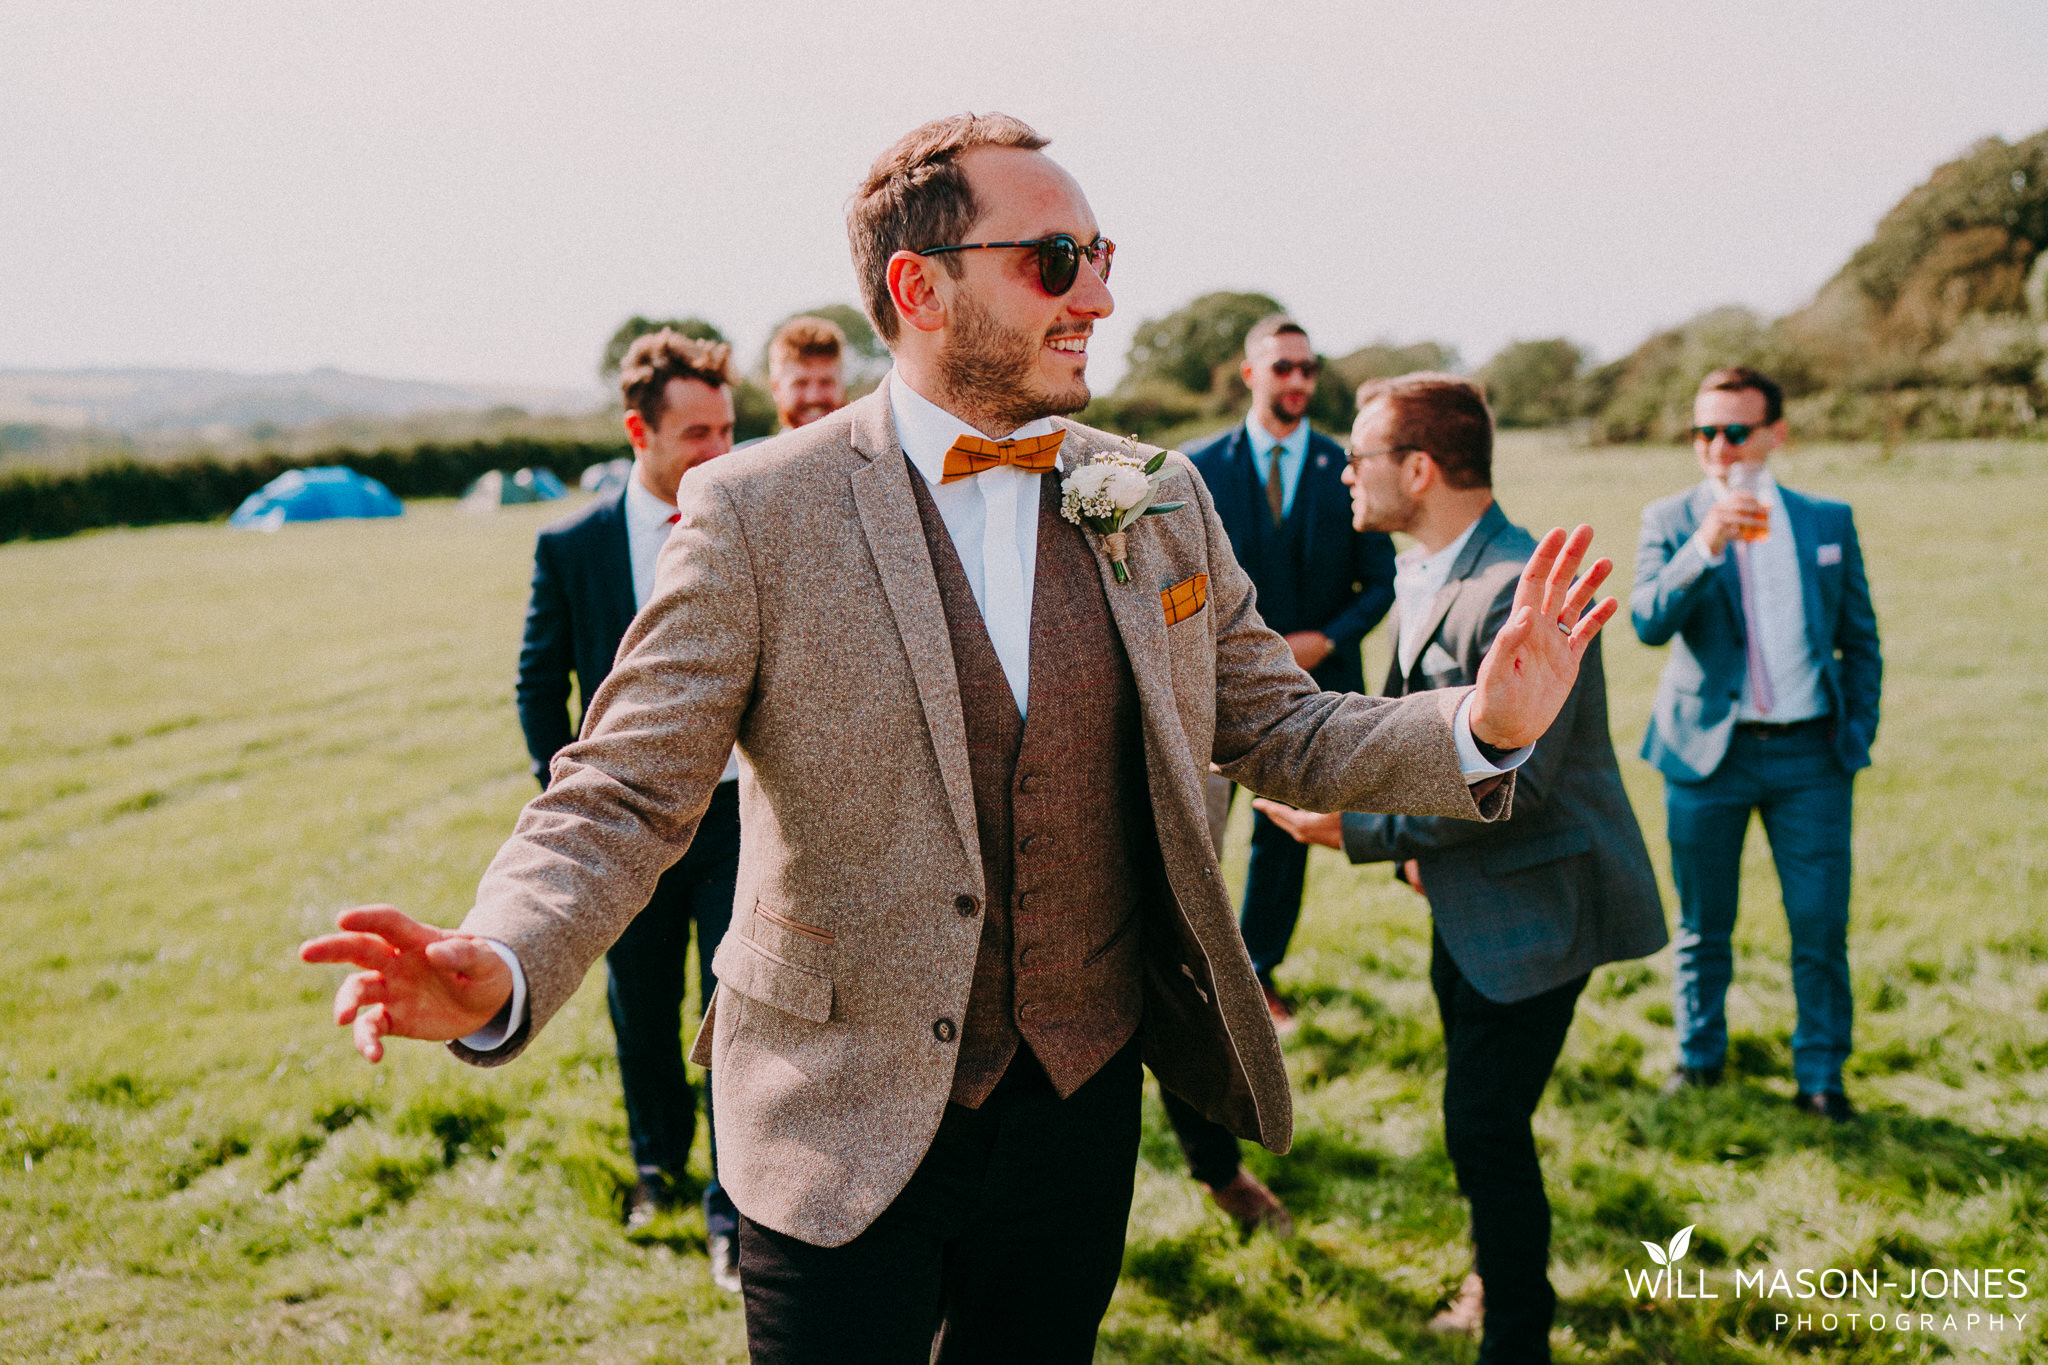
x,y
1110,493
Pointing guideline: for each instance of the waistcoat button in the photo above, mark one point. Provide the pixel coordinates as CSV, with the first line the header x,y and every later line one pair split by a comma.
x,y
1026,784
943,1030
966,904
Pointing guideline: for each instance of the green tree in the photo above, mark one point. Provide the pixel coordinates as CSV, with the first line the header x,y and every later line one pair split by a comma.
x,y
1187,347
635,327
1385,360
1533,383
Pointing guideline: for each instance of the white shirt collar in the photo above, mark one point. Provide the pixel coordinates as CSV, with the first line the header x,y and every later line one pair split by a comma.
x,y
928,431
1416,560
642,507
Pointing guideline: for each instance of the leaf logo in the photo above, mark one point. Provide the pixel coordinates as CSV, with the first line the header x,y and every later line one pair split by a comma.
x,y
1676,1253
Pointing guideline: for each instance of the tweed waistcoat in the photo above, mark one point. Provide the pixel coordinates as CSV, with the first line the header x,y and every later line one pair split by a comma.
x,y
1061,809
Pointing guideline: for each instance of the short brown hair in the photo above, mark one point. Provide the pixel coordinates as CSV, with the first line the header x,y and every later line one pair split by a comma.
x,y
805,338
1736,378
1443,414
1272,325
656,358
916,196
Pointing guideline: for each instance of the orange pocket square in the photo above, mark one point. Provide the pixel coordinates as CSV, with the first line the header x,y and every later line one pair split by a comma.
x,y
1185,598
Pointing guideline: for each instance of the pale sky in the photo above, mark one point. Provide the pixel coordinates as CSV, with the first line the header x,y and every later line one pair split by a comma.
x,y
481,192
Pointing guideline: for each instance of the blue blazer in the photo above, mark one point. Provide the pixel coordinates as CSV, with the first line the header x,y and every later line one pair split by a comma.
x,y
581,605
1345,582
1680,598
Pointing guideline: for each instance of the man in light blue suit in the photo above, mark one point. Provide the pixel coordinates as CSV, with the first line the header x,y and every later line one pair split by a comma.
x,y
1769,704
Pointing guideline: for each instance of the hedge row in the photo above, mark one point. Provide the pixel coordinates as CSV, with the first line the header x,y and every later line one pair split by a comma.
x,y
40,505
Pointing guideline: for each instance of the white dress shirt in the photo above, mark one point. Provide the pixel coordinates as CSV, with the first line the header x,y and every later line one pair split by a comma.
x,y
992,519
1292,453
1418,577
1780,627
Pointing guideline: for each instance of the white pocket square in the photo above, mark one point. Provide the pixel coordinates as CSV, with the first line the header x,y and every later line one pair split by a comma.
x,y
1437,659
1828,554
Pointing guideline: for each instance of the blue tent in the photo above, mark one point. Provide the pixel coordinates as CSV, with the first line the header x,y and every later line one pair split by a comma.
x,y
314,495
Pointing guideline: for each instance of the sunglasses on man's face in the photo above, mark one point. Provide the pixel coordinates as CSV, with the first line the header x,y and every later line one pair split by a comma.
x,y
1059,258
1736,432
1309,368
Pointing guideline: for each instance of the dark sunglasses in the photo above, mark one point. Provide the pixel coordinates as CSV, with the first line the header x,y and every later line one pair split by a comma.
x,y
1059,258
1736,432
1309,368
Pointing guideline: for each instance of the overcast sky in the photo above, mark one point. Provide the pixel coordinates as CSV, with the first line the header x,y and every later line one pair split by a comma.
x,y
481,192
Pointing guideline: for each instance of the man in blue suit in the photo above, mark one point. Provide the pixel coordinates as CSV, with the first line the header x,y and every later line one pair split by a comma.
x,y
1280,493
1768,704
592,571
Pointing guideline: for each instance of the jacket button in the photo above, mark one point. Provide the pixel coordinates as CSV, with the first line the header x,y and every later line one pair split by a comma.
x,y
966,904
943,1030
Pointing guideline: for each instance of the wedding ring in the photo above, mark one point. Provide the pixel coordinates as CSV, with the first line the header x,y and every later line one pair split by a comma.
x,y
1564,630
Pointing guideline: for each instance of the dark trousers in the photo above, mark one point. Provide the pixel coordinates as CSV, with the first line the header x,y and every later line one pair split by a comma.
x,y
1793,781
1496,1063
1211,1149
1272,893
649,980
1005,1245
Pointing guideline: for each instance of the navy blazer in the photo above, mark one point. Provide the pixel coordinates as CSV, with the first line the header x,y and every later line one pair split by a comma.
x,y
1564,883
581,605
1679,597
1346,577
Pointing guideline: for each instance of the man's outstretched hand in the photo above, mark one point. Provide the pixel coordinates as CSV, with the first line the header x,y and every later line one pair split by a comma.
x,y
417,981
1525,678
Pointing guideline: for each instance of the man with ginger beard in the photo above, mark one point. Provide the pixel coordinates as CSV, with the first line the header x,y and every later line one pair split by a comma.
x,y
976,883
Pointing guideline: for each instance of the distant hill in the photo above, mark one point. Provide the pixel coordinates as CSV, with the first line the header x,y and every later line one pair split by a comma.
x,y
1938,326
210,403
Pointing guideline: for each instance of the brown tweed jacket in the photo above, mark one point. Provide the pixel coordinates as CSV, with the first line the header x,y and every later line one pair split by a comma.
x,y
796,611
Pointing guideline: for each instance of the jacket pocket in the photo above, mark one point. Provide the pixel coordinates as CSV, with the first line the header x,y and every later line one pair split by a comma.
x,y
809,931
1543,848
748,969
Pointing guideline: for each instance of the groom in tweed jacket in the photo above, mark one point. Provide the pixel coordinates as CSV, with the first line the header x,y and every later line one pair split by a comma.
x,y
976,885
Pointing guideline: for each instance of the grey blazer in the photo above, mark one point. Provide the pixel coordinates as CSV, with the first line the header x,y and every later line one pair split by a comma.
x,y
796,613
1565,884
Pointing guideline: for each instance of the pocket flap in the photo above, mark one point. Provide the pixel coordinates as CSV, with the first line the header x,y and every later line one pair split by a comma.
x,y
1543,848
744,966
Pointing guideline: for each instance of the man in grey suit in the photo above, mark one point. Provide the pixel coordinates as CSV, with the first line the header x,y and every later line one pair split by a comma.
x,y
976,885
1522,910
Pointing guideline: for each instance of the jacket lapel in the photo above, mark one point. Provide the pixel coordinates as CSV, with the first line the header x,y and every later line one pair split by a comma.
x,y
1488,526
1805,532
895,536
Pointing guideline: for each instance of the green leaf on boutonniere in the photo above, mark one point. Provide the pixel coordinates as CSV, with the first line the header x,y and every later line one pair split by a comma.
x,y
1153,465
1160,509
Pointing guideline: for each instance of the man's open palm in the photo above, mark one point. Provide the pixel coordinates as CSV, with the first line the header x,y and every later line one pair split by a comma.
x,y
1527,674
417,981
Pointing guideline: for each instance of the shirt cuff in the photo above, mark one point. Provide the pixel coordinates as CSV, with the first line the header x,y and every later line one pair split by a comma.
x,y
512,1018
1699,543
1473,765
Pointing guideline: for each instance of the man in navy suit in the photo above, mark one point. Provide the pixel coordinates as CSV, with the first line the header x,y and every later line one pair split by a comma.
x,y
592,571
1768,704
1280,493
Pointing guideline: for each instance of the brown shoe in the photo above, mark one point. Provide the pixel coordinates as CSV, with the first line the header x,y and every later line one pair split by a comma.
x,y
1466,1315
1283,1017
1247,1200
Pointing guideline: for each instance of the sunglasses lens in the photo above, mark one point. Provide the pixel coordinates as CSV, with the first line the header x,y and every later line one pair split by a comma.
x,y
1059,263
1101,255
1737,433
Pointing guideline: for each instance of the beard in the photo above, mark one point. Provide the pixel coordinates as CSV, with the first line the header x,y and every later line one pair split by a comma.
x,y
991,372
1287,409
1391,511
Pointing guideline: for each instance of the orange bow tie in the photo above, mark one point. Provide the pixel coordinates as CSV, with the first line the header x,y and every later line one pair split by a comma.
x,y
970,455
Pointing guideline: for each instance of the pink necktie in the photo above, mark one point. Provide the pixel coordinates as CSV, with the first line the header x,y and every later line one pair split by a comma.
x,y
1752,633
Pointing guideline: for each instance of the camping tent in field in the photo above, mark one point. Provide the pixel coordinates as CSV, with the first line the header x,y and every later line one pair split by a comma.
x,y
603,478
314,495
498,489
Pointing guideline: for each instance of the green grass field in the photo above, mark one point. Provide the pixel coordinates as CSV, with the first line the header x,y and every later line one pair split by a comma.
x,y
212,741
